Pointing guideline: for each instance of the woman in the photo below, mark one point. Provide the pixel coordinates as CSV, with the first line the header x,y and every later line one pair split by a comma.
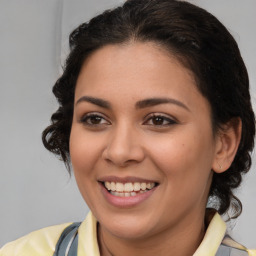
x,y
156,119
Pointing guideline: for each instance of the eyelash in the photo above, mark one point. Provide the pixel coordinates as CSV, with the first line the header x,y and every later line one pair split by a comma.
x,y
167,121
87,117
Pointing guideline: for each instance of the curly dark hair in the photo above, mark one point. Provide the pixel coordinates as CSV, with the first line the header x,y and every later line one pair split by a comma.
x,y
200,42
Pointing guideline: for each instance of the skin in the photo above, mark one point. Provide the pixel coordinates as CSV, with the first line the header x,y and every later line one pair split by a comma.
x,y
179,152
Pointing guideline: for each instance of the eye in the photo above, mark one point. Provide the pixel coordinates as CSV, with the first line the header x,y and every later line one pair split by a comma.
x,y
93,119
159,120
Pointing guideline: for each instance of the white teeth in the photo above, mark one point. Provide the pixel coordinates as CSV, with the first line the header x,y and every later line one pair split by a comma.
x,y
119,194
108,185
143,186
119,187
150,185
136,186
126,194
113,186
128,189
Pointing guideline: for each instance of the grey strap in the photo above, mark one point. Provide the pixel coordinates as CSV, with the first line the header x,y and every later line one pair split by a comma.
x,y
229,251
68,241
223,251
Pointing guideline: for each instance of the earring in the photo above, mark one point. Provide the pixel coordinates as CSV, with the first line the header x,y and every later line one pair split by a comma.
x,y
220,166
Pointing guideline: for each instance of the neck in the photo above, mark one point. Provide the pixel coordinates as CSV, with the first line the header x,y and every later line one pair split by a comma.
x,y
183,239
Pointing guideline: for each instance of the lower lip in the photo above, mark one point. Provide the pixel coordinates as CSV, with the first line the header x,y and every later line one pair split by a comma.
x,y
126,202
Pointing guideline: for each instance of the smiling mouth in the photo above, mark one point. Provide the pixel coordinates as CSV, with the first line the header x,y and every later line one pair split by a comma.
x,y
128,189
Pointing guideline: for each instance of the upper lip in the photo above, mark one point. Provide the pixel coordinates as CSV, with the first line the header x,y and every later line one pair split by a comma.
x,y
125,179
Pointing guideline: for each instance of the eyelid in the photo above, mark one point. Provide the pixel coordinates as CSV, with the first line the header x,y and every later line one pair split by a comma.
x,y
93,114
167,117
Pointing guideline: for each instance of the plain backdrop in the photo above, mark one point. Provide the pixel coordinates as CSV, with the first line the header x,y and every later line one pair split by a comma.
x,y
35,189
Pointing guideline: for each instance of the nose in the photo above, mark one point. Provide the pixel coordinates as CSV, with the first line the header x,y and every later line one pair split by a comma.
x,y
124,147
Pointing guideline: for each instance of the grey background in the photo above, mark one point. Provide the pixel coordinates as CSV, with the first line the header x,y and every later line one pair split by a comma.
x,y
35,189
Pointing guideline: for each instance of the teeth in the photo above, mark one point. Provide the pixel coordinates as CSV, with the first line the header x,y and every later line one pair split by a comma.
x,y
113,186
108,185
136,186
126,194
128,189
143,186
150,185
119,187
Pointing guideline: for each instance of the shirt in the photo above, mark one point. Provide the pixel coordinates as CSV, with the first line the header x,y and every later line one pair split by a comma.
x,y
43,242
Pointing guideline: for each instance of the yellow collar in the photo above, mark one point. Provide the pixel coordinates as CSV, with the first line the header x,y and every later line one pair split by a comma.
x,y
87,239
88,245
213,237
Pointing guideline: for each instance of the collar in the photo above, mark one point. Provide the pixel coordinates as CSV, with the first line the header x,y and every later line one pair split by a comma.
x,y
87,239
213,236
88,245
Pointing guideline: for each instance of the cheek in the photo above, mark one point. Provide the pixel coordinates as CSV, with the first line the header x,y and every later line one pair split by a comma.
x,y
84,153
187,154
185,162
84,150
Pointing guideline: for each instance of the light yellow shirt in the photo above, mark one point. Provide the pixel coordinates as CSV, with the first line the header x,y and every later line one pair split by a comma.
x,y
43,242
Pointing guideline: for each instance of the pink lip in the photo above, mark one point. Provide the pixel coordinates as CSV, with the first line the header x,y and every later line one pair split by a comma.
x,y
125,202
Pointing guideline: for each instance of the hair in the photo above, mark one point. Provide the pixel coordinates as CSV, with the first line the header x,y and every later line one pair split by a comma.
x,y
200,42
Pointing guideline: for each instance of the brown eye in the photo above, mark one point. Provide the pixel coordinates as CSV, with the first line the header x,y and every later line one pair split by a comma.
x,y
159,120
94,120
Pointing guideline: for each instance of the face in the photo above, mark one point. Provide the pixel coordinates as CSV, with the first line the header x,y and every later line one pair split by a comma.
x,y
141,144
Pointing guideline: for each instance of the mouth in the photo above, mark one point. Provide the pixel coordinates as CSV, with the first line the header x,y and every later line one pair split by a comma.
x,y
129,189
126,192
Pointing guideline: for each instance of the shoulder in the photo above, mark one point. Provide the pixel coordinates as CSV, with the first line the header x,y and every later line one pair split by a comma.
x,y
38,243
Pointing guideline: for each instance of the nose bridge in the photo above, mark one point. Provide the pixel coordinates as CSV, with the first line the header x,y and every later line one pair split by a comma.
x,y
124,145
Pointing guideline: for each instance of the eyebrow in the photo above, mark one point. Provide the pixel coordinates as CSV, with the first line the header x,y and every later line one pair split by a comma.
x,y
139,105
157,101
96,101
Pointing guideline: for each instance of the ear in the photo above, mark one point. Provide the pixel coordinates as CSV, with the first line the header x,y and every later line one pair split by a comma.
x,y
227,142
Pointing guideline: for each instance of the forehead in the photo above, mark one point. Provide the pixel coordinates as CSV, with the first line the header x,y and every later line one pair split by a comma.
x,y
133,67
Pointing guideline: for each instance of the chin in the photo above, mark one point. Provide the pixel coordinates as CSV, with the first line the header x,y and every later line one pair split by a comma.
x,y
127,228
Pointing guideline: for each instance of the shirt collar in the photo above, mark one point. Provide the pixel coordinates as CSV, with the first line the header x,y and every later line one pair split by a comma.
x,y
87,237
213,237
88,245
